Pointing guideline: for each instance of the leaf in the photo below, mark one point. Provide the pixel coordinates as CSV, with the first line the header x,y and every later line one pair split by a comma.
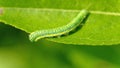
x,y
101,27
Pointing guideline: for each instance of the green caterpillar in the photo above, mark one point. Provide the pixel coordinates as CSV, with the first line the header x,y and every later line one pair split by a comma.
x,y
34,36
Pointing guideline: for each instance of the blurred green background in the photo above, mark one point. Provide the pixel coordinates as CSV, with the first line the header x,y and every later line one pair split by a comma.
x,y
16,51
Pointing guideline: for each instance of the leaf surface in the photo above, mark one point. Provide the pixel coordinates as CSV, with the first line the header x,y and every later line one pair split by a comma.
x,y
101,27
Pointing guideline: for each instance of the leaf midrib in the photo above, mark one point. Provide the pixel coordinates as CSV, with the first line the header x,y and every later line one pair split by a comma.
x,y
70,10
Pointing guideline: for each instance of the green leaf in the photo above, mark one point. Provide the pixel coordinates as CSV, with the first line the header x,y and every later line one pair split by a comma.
x,y
101,27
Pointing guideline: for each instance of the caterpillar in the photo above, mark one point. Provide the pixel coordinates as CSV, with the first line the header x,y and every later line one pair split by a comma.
x,y
39,34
